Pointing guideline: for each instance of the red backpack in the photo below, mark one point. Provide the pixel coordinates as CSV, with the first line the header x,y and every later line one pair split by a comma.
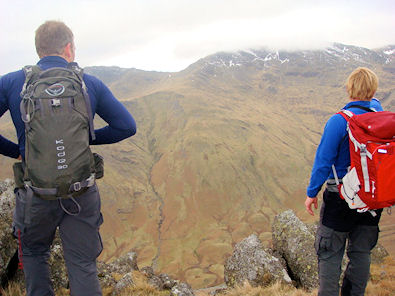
x,y
370,181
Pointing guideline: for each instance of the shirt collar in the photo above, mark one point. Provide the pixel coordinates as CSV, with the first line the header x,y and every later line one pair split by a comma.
x,y
52,61
359,103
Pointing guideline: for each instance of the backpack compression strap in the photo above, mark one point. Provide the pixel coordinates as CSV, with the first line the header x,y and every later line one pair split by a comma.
x,y
27,107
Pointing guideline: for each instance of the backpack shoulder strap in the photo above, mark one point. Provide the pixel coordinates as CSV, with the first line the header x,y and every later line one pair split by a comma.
x,y
26,93
347,114
30,71
362,108
80,74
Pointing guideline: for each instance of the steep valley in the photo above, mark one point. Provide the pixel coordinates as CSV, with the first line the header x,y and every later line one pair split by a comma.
x,y
221,148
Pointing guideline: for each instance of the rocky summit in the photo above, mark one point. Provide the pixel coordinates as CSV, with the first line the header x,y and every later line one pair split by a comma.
x,y
290,260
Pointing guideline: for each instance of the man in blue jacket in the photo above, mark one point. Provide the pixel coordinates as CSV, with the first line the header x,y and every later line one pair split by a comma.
x,y
339,223
79,233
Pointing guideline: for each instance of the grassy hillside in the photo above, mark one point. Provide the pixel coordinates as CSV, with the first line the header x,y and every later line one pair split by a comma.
x,y
221,148
219,151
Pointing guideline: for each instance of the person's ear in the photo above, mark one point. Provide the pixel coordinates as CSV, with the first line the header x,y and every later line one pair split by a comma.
x,y
68,52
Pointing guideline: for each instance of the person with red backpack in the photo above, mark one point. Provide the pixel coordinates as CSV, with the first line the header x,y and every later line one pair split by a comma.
x,y
340,225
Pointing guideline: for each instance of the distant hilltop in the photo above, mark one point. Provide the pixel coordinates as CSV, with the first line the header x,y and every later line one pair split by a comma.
x,y
336,52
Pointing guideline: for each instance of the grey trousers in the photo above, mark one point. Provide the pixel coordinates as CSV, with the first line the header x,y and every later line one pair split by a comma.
x,y
80,240
330,246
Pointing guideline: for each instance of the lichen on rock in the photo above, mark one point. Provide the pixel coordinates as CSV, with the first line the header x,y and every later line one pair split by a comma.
x,y
250,262
295,242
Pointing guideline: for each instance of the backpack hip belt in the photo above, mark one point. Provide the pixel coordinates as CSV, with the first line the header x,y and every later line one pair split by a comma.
x,y
52,193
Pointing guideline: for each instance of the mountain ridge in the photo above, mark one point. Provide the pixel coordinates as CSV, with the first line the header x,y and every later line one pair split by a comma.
x,y
264,55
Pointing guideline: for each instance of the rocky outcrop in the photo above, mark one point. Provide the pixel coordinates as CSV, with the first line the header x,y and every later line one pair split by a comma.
x,y
161,282
123,267
250,262
291,260
378,254
125,264
124,282
8,244
182,289
57,265
295,243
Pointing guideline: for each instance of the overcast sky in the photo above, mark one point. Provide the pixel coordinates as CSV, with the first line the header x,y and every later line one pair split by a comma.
x,y
170,35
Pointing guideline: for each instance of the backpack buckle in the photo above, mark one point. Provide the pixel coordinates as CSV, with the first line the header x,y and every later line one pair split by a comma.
x,y
77,186
91,180
55,102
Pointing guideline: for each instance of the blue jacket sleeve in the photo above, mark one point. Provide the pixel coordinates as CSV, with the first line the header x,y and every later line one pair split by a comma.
x,y
7,147
326,154
121,123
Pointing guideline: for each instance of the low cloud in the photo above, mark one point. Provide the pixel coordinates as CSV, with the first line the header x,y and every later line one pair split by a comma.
x,y
170,35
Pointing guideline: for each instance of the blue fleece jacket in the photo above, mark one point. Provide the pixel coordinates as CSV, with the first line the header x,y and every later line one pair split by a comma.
x,y
334,147
121,124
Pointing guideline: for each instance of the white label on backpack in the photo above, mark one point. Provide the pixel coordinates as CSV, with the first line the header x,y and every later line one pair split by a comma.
x,y
382,151
61,154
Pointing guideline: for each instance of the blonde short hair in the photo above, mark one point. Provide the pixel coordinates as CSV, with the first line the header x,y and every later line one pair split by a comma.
x,y
52,37
362,84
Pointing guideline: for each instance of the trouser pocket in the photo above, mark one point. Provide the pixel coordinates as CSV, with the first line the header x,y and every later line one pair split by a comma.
x,y
328,242
80,234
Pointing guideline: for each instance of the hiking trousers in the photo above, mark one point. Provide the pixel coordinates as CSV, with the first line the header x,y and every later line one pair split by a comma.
x,y
35,223
330,246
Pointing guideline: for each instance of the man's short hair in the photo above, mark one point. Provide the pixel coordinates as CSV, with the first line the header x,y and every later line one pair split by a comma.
x,y
362,84
52,37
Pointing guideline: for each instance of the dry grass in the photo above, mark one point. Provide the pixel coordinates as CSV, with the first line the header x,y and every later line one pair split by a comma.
x,y
382,283
382,280
13,289
144,290
274,290
141,288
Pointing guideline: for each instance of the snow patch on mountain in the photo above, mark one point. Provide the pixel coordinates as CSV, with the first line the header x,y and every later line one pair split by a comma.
x,y
262,58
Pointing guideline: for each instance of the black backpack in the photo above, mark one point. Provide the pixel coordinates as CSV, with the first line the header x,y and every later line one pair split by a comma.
x,y
58,121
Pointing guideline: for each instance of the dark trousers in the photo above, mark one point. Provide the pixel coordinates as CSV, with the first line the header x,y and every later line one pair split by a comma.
x,y
80,240
358,236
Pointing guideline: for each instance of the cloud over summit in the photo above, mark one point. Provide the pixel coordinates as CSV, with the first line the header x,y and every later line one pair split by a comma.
x,y
169,35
